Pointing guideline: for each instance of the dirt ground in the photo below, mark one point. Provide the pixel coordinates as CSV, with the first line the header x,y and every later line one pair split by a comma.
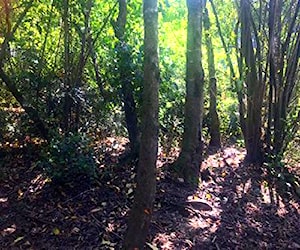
x,y
235,207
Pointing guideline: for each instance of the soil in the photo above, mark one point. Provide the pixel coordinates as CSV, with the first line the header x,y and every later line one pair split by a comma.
x,y
236,206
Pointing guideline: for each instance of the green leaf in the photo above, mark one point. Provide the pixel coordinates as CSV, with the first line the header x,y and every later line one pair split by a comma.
x,y
56,231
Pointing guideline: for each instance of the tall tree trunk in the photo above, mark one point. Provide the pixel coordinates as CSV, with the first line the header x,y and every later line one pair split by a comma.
x,y
283,62
233,76
142,210
188,163
276,69
125,78
83,56
7,13
252,133
214,122
67,73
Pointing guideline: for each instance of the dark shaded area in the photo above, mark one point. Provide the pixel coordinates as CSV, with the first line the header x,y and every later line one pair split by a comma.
x,y
38,215
236,207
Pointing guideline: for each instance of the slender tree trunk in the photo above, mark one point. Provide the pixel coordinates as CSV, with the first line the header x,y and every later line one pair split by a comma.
x,y
283,62
142,210
31,111
252,133
214,122
67,73
87,8
188,163
233,76
276,70
7,12
125,78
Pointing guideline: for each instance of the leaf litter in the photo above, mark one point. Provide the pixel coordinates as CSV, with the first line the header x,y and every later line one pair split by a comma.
x,y
236,206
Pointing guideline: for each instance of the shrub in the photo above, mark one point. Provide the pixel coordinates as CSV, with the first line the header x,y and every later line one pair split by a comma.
x,y
69,158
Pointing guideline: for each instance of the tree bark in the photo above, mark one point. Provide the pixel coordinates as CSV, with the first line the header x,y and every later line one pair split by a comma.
x,y
283,63
234,79
255,90
140,215
67,73
214,122
188,163
79,72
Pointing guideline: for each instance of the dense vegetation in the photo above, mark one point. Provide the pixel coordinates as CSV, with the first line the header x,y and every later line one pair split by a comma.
x,y
100,94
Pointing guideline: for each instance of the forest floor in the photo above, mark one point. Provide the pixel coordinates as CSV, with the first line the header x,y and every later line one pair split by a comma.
x,y
235,207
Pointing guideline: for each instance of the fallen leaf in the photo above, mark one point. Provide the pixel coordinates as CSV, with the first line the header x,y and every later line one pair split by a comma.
x,y
75,230
18,239
181,180
56,231
151,246
9,230
208,196
2,200
147,211
20,193
130,190
95,210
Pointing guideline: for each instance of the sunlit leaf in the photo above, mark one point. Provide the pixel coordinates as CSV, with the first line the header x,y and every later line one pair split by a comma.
x,y
18,239
56,231
208,196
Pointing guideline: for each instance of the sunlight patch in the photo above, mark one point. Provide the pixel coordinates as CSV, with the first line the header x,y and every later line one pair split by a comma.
x,y
164,241
37,183
3,200
250,208
247,186
9,230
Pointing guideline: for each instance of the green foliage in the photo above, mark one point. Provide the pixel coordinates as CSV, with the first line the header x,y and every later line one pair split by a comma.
x,y
10,120
35,63
171,101
171,121
172,32
2,121
229,117
69,158
292,153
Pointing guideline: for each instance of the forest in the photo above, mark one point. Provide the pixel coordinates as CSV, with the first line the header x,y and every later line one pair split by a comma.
x,y
149,124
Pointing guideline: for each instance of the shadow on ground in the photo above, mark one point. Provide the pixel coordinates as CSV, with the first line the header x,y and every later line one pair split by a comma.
x,y
247,210
81,215
236,207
